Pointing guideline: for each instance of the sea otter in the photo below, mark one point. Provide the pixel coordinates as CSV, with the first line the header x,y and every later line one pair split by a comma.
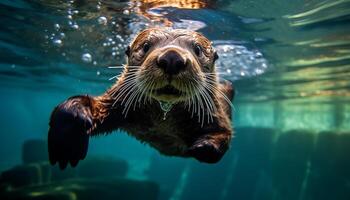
x,y
168,96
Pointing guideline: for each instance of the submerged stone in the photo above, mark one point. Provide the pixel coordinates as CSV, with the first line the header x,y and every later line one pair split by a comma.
x,y
42,172
290,163
34,150
24,175
102,167
329,175
87,189
250,162
168,173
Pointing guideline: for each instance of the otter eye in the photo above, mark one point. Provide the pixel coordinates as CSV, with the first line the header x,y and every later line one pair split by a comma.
x,y
197,49
216,56
146,47
127,51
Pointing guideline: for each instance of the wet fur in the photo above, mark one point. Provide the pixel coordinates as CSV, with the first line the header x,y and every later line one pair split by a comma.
x,y
180,134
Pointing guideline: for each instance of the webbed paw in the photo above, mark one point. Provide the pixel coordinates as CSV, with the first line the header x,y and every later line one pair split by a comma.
x,y
205,151
68,136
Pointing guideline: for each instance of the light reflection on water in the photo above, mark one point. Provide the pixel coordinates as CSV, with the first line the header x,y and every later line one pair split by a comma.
x,y
96,34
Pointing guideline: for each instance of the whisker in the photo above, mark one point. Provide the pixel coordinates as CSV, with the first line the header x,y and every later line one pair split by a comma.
x,y
128,80
129,99
200,110
211,84
133,97
215,76
142,92
122,66
190,100
114,77
194,110
116,67
125,90
131,72
208,102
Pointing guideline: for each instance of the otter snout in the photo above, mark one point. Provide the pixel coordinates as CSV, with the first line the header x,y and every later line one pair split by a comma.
x,y
171,62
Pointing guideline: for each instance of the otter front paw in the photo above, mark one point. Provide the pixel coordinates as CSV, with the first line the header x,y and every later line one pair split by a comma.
x,y
205,151
68,134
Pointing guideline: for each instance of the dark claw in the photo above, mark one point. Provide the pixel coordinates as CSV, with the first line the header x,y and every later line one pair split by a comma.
x,y
73,163
205,151
63,164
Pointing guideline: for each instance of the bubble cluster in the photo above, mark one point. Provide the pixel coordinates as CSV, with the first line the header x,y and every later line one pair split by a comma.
x,y
189,24
237,61
75,36
56,38
98,6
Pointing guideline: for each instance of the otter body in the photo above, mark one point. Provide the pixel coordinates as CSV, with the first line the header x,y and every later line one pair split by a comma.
x,y
168,96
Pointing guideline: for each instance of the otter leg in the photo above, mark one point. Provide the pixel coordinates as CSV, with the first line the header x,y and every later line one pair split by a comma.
x,y
71,123
210,148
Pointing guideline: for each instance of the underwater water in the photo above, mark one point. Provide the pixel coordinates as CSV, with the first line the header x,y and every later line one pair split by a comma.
x,y
289,61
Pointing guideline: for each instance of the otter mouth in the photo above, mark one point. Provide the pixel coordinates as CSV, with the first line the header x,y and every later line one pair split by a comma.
x,y
169,90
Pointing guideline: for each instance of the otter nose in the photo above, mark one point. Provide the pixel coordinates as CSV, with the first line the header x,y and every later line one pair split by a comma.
x,y
171,63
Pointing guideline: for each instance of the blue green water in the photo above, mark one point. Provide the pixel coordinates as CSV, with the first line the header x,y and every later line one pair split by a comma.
x,y
289,62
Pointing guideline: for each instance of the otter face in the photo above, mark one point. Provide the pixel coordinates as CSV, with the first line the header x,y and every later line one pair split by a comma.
x,y
171,65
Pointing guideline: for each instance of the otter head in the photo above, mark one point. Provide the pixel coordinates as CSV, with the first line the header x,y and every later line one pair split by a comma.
x,y
171,65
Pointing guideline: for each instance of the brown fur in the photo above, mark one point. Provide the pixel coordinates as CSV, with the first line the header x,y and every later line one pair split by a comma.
x,y
180,134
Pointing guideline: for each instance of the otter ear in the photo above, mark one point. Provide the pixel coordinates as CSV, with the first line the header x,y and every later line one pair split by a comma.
x,y
216,56
127,51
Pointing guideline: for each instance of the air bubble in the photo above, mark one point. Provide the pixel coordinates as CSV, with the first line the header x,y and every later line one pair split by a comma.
x,y
102,20
259,71
75,26
86,57
57,42
57,26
